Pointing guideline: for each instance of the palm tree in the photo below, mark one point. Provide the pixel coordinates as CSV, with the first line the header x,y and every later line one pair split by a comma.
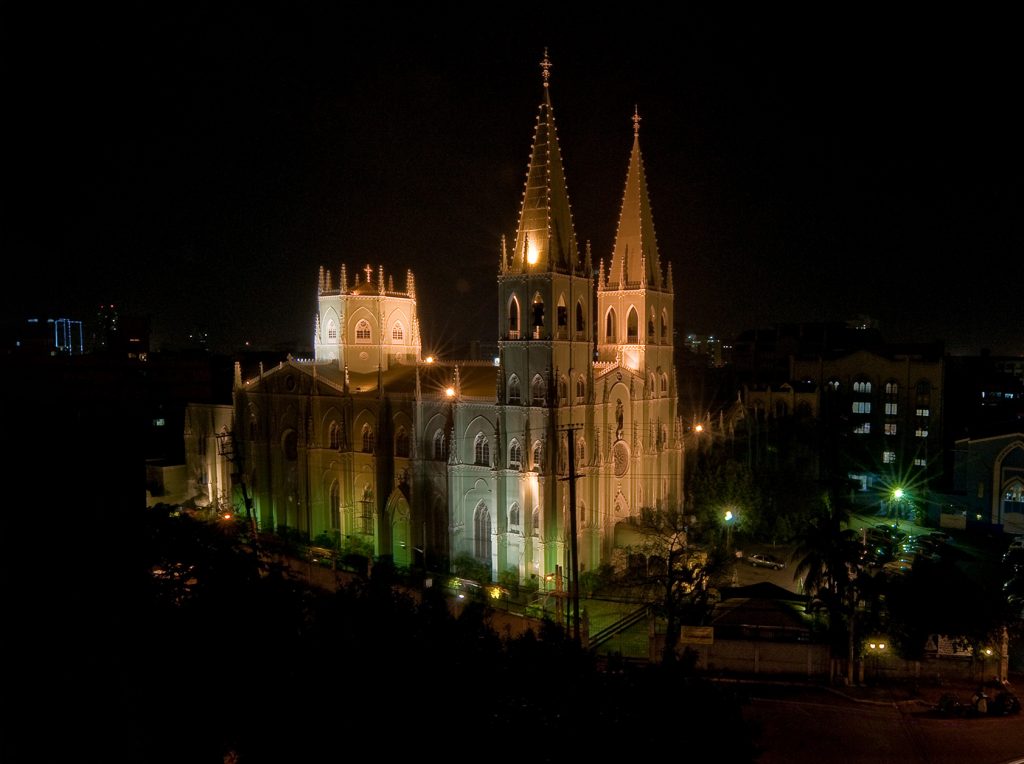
x,y
825,553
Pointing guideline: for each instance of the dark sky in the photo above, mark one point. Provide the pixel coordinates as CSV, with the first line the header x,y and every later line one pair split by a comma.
x,y
198,164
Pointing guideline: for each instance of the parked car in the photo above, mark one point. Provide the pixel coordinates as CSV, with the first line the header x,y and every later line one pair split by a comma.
x,y
765,561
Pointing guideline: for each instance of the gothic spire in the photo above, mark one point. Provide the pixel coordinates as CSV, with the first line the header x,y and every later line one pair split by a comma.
x,y
546,238
636,224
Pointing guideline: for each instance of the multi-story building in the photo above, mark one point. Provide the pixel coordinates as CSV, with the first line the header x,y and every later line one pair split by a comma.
x,y
567,434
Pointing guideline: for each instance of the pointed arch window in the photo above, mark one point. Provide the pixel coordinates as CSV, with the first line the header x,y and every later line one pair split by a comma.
x,y
580,325
609,326
581,389
581,452
514,393
664,383
481,450
332,329
562,316
334,436
664,326
402,443
513,516
366,511
397,333
513,319
563,389
368,439
632,327
335,506
537,391
538,316
440,447
482,533
363,332
535,522
650,327
538,453
515,456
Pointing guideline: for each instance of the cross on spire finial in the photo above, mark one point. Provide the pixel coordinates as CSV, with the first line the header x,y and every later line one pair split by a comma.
x,y
545,67
369,272
636,122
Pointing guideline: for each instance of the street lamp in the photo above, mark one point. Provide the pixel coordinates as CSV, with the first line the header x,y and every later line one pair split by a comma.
x,y
729,517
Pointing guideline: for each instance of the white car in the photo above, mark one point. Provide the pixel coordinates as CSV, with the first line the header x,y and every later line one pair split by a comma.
x,y
765,561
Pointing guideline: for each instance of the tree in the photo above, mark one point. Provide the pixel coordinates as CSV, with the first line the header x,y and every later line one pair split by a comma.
x,y
678,576
826,552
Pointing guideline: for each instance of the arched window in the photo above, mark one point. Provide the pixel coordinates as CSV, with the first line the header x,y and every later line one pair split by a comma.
x,y
368,439
664,326
482,533
481,450
332,329
609,327
515,456
664,435
581,389
335,506
513,319
514,393
334,438
650,327
562,316
632,327
891,388
538,316
580,327
363,332
664,383
538,453
513,516
290,445
535,522
862,386
366,511
440,452
581,451
563,389
396,332
537,391
402,443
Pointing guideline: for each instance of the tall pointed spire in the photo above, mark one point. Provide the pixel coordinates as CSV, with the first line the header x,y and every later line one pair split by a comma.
x,y
546,238
636,224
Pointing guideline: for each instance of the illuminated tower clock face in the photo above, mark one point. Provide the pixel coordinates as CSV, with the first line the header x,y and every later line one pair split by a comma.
x,y
620,456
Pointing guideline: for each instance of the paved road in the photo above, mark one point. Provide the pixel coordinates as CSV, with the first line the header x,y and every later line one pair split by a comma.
x,y
797,725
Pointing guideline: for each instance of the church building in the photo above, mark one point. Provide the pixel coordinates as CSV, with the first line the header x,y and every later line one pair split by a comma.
x,y
570,431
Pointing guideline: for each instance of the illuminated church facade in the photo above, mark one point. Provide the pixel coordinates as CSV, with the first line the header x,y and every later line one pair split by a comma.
x,y
428,459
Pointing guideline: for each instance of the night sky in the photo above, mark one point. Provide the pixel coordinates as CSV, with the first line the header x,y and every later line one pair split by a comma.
x,y
198,165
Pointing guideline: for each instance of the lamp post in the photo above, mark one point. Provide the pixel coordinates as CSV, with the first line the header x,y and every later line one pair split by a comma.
x,y
729,518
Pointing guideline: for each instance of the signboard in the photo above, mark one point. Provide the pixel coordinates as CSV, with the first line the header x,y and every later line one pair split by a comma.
x,y
697,635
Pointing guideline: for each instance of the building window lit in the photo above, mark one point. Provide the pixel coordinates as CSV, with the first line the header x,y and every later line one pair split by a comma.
x,y
368,439
482,533
332,330
514,394
363,332
919,462
890,428
923,412
396,333
513,516
888,457
921,432
833,385
891,388
890,409
482,450
864,428
862,387
861,407
515,456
